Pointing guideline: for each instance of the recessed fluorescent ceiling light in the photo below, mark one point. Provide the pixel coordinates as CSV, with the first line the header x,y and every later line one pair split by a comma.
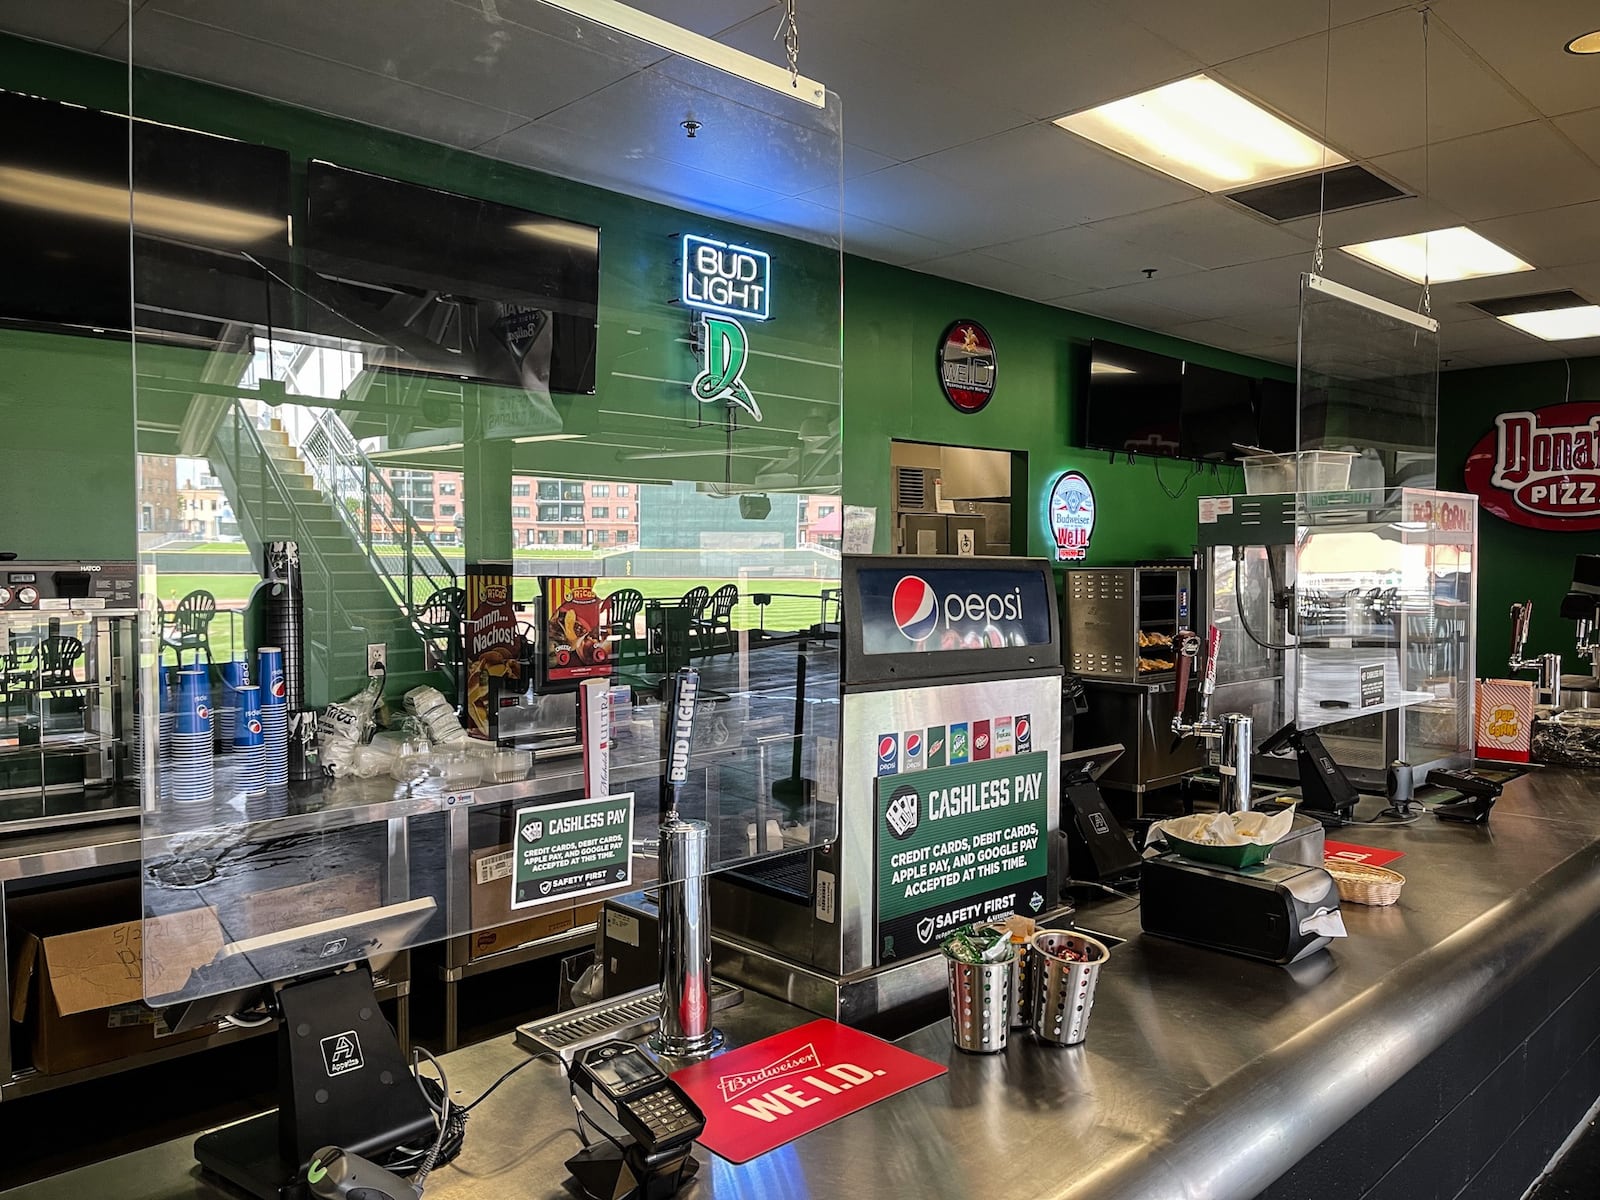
x,y
1587,43
1203,133
1439,256
1105,368
1559,324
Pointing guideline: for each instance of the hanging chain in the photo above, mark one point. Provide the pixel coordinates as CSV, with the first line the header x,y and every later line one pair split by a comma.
x,y
1427,172
1322,179
789,31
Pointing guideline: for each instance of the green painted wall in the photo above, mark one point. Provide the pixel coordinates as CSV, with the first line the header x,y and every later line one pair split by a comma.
x,y
1517,563
893,321
67,467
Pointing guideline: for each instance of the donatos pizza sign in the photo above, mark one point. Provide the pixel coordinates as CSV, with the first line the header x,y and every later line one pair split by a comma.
x,y
1541,468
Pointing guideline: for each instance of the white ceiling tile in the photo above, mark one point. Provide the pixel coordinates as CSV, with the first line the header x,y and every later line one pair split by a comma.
x,y
1041,57
1219,30
707,17
907,197
1228,291
1098,259
1525,43
972,267
643,115
1207,232
83,24
1373,103
1533,350
1129,307
867,239
1520,283
895,105
473,53
861,161
1280,323
180,47
1042,168
1370,222
1483,333
1521,169
1224,335
1584,127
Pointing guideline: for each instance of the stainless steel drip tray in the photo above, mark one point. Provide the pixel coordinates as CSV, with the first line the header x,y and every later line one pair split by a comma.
x,y
625,1017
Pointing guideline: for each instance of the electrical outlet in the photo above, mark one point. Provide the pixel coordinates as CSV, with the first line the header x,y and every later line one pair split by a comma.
x,y
377,658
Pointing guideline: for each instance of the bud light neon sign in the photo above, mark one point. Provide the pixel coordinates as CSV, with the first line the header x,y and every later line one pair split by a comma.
x,y
719,277
1069,515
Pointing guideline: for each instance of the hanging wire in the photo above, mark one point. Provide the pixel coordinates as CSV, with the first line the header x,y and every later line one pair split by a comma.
x,y
1427,173
1322,179
789,31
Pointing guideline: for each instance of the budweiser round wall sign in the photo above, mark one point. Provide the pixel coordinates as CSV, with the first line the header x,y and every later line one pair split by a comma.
x,y
1541,468
966,365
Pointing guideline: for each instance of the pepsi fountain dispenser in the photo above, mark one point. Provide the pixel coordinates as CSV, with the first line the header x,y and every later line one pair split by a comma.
x,y
949,786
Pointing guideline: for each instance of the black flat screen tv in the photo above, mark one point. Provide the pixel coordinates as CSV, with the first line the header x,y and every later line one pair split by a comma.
x,y
1276,405
1134,401
1218,413
447,284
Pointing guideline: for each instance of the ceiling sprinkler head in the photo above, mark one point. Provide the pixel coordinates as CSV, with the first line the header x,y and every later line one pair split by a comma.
x,y
690,127
1149,272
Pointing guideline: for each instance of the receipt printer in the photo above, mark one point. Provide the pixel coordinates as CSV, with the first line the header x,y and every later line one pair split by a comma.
x,y
1278,912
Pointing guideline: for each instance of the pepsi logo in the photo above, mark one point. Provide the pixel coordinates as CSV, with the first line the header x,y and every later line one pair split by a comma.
x,y
1022,729
981,740
913,745
916,610
201,711
886,749
277,687
254,726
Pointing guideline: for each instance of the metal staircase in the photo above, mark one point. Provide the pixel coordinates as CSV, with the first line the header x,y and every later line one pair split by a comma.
x,y
366,567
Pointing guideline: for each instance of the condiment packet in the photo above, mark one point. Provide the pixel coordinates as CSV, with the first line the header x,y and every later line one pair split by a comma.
x,y
979,944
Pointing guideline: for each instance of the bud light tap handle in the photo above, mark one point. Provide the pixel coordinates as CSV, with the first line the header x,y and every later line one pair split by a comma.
x,y
1209,683
1521,617
680,739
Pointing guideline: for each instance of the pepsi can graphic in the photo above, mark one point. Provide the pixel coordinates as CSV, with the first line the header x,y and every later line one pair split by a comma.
x,y
1002,737
274,691
914,750
889,754
959,748
938,746
980,741
1022,735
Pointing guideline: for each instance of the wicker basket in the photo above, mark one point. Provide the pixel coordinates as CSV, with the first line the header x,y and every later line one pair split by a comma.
x,y
1361,884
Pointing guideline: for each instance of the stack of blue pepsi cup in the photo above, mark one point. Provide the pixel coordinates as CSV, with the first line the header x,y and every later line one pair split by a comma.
x,y
249,741
190,766
274,717
235,674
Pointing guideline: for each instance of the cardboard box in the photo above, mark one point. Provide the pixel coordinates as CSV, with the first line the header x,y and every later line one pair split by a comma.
x,y
497,927
78,983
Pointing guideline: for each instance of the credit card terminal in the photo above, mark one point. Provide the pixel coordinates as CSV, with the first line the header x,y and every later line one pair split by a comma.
x,y
628,1084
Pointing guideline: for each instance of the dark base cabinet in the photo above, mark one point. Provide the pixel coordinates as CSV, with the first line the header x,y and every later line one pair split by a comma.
x,y
1480,1118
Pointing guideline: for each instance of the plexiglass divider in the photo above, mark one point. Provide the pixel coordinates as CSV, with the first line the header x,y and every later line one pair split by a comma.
x,y
492,352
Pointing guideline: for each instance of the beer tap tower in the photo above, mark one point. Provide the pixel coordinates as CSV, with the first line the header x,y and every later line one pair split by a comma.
x,y
1234,731
1548,666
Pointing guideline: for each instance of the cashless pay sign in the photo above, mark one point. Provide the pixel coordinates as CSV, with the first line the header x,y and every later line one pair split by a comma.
x,y
957,844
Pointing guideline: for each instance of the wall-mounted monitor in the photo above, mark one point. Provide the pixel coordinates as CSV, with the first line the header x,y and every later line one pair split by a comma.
x,y
453,285
1134,401
1277,406
1218,413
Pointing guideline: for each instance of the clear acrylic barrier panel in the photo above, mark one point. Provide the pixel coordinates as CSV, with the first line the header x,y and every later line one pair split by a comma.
x,y
508,345
1369,383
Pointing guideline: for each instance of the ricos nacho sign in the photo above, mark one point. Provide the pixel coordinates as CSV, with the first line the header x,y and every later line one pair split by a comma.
x,y
1541,469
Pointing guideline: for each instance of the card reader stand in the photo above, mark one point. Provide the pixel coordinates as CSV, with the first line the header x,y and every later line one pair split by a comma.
x,y
342,1081
1098,849
1325,790
604,1172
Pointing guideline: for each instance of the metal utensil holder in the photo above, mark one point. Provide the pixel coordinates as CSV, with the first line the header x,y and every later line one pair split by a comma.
x,y
1063,991
980,1004
1019,1012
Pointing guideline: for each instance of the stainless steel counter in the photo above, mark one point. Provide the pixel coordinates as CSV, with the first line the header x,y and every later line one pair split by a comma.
x,y
1203,1076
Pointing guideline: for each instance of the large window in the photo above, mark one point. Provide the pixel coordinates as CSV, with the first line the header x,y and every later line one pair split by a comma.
x,y
549,489
599,512
521,488
622,512
572,537
600,491
519,512
549,512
